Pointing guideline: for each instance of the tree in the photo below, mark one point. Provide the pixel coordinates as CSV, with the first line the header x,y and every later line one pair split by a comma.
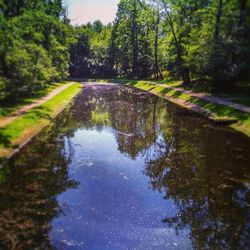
x,y
34,49
79,52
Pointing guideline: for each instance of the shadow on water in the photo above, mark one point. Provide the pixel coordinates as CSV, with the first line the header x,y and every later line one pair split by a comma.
x,y
123,169
29,185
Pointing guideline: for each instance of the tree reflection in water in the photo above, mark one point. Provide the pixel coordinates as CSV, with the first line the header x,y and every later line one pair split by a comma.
x,y
204,170
211,196
29,188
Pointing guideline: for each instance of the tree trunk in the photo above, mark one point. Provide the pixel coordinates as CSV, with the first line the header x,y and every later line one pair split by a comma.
x,y
184,71
242,6
218,18
157,70
236,54
134,40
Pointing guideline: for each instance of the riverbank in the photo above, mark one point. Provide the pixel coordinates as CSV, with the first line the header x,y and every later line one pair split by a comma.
x,y
19,131
220,114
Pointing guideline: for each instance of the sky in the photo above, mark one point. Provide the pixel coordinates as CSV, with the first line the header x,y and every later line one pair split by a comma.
x,y
83,11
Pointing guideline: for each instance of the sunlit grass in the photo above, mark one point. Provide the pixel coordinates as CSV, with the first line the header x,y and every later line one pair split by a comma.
x,y
220,112
21,129
171,82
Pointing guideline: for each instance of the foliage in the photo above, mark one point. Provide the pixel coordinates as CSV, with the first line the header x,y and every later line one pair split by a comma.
x,y
204,41
211,37
90,51
196,41
34,46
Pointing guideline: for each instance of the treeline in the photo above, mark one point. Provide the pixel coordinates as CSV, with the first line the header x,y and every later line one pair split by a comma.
x,y
205,41
90,53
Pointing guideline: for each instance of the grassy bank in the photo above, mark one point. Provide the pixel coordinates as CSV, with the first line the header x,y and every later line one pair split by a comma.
x,y
219,112
9,106
15,134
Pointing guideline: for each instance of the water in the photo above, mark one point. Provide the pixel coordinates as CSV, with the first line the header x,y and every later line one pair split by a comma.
x,y
122,169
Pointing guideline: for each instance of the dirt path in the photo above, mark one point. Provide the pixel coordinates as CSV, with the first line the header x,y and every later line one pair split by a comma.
x,y
211,98
7,119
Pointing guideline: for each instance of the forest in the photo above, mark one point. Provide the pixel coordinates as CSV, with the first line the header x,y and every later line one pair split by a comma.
x,y
206,42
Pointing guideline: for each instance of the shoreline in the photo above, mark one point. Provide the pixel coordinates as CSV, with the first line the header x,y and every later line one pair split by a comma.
x,y
218,114
41,118
237,120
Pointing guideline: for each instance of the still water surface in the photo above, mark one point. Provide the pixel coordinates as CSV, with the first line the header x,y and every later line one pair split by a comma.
x,y
122,169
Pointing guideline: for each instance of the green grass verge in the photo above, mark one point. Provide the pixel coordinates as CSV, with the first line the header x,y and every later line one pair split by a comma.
x,y
18,131
241,96
9,106
219,111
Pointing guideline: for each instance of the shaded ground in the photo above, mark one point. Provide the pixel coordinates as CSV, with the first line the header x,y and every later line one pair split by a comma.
x,y
9,118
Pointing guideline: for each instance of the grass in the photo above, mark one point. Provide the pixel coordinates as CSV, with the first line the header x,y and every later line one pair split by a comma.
x,y
171,82
219,111
240,95
21,129
10,106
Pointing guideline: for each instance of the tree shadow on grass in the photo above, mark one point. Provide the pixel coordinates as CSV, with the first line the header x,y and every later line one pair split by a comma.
x,y
11,104
40,113
5,140
164,91
7,107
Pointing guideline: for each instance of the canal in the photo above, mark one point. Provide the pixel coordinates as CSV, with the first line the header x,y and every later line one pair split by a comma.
x,y
123,169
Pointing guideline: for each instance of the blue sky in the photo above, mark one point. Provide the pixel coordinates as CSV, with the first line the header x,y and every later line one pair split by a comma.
x,y
83,11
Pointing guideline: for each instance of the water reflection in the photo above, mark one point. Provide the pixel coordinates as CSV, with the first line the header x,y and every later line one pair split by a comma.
x,y
132,119
124,170
28,190
210,187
